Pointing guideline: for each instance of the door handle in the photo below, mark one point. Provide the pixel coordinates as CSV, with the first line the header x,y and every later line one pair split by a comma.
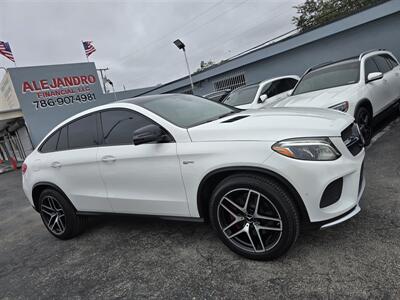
x,y
56,165
108,158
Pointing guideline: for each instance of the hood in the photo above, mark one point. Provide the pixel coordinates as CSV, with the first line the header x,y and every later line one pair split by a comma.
x,y
322,98
273,124
244,106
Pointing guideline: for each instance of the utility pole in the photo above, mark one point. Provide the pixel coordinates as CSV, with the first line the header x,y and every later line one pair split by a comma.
x,y
103,78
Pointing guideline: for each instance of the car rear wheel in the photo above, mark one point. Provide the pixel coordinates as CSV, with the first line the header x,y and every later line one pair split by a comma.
x,y
254,216
363,118
58,215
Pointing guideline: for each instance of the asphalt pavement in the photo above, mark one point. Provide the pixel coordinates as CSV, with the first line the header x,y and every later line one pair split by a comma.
x,y
147,258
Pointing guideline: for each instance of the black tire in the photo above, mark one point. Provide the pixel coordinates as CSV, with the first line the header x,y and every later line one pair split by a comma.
x,y
58,215
363,117
274,203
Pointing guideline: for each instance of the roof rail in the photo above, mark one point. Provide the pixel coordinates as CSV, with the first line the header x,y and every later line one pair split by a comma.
x,y
369,51
318,66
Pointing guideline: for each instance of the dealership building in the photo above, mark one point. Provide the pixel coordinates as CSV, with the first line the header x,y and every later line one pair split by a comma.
x,y
34,99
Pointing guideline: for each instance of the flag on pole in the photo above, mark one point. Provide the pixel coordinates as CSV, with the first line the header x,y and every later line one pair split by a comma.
x,y
5,50
89,48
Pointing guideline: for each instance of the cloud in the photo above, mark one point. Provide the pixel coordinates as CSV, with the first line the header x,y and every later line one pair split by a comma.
x,y
134,38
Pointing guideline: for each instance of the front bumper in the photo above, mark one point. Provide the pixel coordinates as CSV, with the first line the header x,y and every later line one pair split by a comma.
x,y
346,216
311,178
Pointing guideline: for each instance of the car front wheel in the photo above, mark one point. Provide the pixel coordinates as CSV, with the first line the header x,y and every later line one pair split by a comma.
x,y
254,216
363,118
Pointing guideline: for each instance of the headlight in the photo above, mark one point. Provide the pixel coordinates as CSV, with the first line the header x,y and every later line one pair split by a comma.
x,y
320,149
343,106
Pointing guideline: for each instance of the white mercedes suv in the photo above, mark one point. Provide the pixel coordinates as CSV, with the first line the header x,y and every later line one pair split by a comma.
x,y
255,175
362,86
258,95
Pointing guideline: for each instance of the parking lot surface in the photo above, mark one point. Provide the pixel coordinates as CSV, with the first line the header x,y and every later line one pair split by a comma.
x,y
132,257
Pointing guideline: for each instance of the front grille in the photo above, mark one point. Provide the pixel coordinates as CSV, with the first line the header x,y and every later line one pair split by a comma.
x,y
352,139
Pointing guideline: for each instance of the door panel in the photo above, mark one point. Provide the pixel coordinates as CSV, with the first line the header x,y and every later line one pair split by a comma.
x,y
140,179
144,179
388,79
76,171
376,90
79,177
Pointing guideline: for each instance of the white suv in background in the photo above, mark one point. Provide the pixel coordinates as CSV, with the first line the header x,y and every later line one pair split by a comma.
x,y
362,86
256,175
257,95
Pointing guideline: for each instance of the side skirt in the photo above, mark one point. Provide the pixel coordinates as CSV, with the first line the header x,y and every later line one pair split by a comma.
x,y
170,218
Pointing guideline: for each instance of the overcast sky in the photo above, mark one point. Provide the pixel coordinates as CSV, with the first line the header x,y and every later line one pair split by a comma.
x,y
135,38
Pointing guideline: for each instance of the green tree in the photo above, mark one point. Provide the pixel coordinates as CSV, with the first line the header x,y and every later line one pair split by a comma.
x,y
314,13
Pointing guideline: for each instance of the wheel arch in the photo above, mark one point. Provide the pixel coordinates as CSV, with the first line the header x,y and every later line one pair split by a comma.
x,y
39,187
364,102
211,180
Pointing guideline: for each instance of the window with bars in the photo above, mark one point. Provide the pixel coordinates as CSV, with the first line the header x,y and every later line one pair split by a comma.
x,y
232,82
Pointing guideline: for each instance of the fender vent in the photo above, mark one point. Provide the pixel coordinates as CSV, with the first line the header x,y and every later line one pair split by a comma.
x,y
235,119
332,193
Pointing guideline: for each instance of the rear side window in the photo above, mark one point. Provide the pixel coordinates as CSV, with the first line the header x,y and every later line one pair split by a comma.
x,y
119,126
50,144
82,133
382,64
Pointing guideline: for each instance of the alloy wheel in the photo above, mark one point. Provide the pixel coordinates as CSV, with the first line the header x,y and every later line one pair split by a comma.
x,y
364,124
249,220
53,215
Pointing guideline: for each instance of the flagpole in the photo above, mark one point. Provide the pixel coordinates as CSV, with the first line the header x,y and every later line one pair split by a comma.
x,y
87,57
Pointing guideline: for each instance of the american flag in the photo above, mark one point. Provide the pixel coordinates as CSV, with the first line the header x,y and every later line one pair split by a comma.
x,y
5,50
89,48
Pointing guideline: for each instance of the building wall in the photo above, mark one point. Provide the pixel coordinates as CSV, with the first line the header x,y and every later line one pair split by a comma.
x,y
381,33
8,98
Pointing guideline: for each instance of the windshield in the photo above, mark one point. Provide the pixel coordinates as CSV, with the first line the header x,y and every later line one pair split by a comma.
x,y
185,110
241,96
328,77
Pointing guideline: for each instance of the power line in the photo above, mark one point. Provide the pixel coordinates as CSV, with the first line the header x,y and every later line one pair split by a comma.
x,y
297,29
236,35
217,16
201,25
180,27
270,40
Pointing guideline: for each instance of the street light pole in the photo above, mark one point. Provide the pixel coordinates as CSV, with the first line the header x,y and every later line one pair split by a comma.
x,y
181,46
190,75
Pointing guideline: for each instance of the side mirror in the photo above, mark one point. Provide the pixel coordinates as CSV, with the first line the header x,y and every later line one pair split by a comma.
x,y
148,134
289,93
262,98
374,76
